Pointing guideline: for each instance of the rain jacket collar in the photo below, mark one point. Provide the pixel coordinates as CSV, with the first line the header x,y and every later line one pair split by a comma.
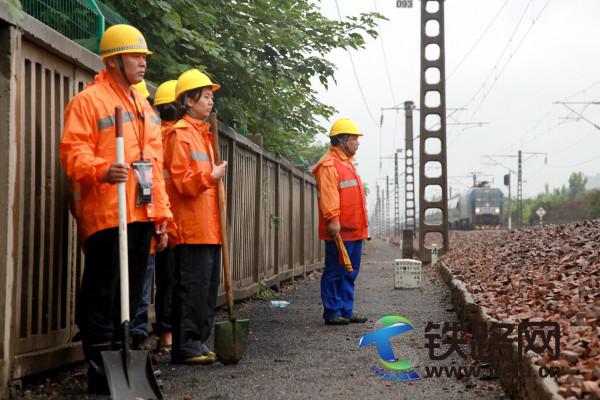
x,y
105,78
198,124
340,155
335,153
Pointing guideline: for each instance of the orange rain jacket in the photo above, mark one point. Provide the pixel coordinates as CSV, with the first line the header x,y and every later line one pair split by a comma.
x,y
166,127
341,196
188,160
88,149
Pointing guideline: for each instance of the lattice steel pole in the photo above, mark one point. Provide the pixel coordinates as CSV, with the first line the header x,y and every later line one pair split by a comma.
x,y
378,213
387,205
396,198
520,190
410,215
382,212
432,124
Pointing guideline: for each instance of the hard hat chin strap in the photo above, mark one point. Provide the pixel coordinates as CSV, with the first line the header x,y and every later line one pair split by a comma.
x,y
344,144
187,109
122,68
193,114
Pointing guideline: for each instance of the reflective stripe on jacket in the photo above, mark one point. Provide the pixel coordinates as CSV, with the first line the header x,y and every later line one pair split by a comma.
x,y
88,149
341,196
193,192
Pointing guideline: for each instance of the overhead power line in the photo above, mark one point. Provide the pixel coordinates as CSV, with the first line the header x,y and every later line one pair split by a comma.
x,y
578,164
496,64
580,115
494,68
497,77
478,40
360,89
385,63
583,90
547,114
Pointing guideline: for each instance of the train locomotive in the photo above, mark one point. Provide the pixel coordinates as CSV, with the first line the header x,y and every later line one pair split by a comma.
x,y
481,207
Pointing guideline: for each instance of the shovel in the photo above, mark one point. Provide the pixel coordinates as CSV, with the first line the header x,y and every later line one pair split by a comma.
x,y
129,372
231,337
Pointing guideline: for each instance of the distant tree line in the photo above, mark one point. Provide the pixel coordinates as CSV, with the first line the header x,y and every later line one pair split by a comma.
x,y
570,202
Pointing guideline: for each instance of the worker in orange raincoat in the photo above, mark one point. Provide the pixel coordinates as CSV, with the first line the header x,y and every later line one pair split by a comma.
x,y
164,103
196,242
87,152
342,210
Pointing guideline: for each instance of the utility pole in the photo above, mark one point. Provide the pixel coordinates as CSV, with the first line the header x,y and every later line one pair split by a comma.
x,y
520,190
387,205
507,183
377,205
430,113
410,214
519,174
382,214
396,198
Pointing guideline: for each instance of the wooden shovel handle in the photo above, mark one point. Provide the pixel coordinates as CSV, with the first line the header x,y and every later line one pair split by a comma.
x,y
223,216
344,252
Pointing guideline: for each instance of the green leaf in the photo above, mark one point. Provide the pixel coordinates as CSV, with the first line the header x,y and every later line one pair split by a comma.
x,y
264,53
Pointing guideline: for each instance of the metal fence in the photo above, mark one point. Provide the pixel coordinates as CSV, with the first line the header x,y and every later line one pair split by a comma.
x,y
82,21
271,205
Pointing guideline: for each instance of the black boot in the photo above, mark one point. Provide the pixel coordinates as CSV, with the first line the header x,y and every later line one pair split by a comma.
x,y
97,381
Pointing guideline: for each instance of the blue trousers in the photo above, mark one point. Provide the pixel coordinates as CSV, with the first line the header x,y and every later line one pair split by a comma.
x,y
139,322
337,284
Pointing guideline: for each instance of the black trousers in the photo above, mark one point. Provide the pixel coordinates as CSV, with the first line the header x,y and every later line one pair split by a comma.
x,y
197,272
98,304
164,273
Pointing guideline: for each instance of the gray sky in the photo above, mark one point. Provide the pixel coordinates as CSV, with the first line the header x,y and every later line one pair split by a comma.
x,y
511,83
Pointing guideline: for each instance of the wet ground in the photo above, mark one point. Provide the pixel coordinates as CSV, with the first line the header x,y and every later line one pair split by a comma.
x,y
292,354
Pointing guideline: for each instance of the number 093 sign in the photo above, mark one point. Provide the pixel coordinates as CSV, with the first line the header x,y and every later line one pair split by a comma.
x,y
404,3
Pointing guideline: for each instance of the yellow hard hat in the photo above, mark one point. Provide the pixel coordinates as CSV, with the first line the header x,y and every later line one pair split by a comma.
x,y
193,79
344,126
165,93
119,39
142,88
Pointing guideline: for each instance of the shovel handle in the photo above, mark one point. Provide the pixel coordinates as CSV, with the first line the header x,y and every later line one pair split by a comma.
x,y
214,123
122,197
343,252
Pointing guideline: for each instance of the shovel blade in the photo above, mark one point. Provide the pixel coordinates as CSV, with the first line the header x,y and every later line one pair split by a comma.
x,y
231,340
133,379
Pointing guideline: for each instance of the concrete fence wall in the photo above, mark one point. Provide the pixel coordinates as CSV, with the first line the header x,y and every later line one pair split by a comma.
x,y
272,206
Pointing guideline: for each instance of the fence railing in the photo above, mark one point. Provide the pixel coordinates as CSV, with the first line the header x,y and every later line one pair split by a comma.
x,y
271,204
82,21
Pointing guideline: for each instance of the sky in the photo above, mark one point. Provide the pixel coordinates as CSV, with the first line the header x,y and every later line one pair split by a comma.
x,y
507,63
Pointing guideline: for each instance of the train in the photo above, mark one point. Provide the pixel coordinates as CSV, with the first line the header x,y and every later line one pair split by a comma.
x,y
480,207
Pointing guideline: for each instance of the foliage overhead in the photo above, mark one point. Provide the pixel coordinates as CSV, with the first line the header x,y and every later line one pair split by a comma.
x,y
265,53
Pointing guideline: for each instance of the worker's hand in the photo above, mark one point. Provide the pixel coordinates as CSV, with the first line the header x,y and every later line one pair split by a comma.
x,y
333,228
162,241
161,228
218,171
116,173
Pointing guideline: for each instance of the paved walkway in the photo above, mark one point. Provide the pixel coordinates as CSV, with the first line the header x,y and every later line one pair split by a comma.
x,y
292,354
